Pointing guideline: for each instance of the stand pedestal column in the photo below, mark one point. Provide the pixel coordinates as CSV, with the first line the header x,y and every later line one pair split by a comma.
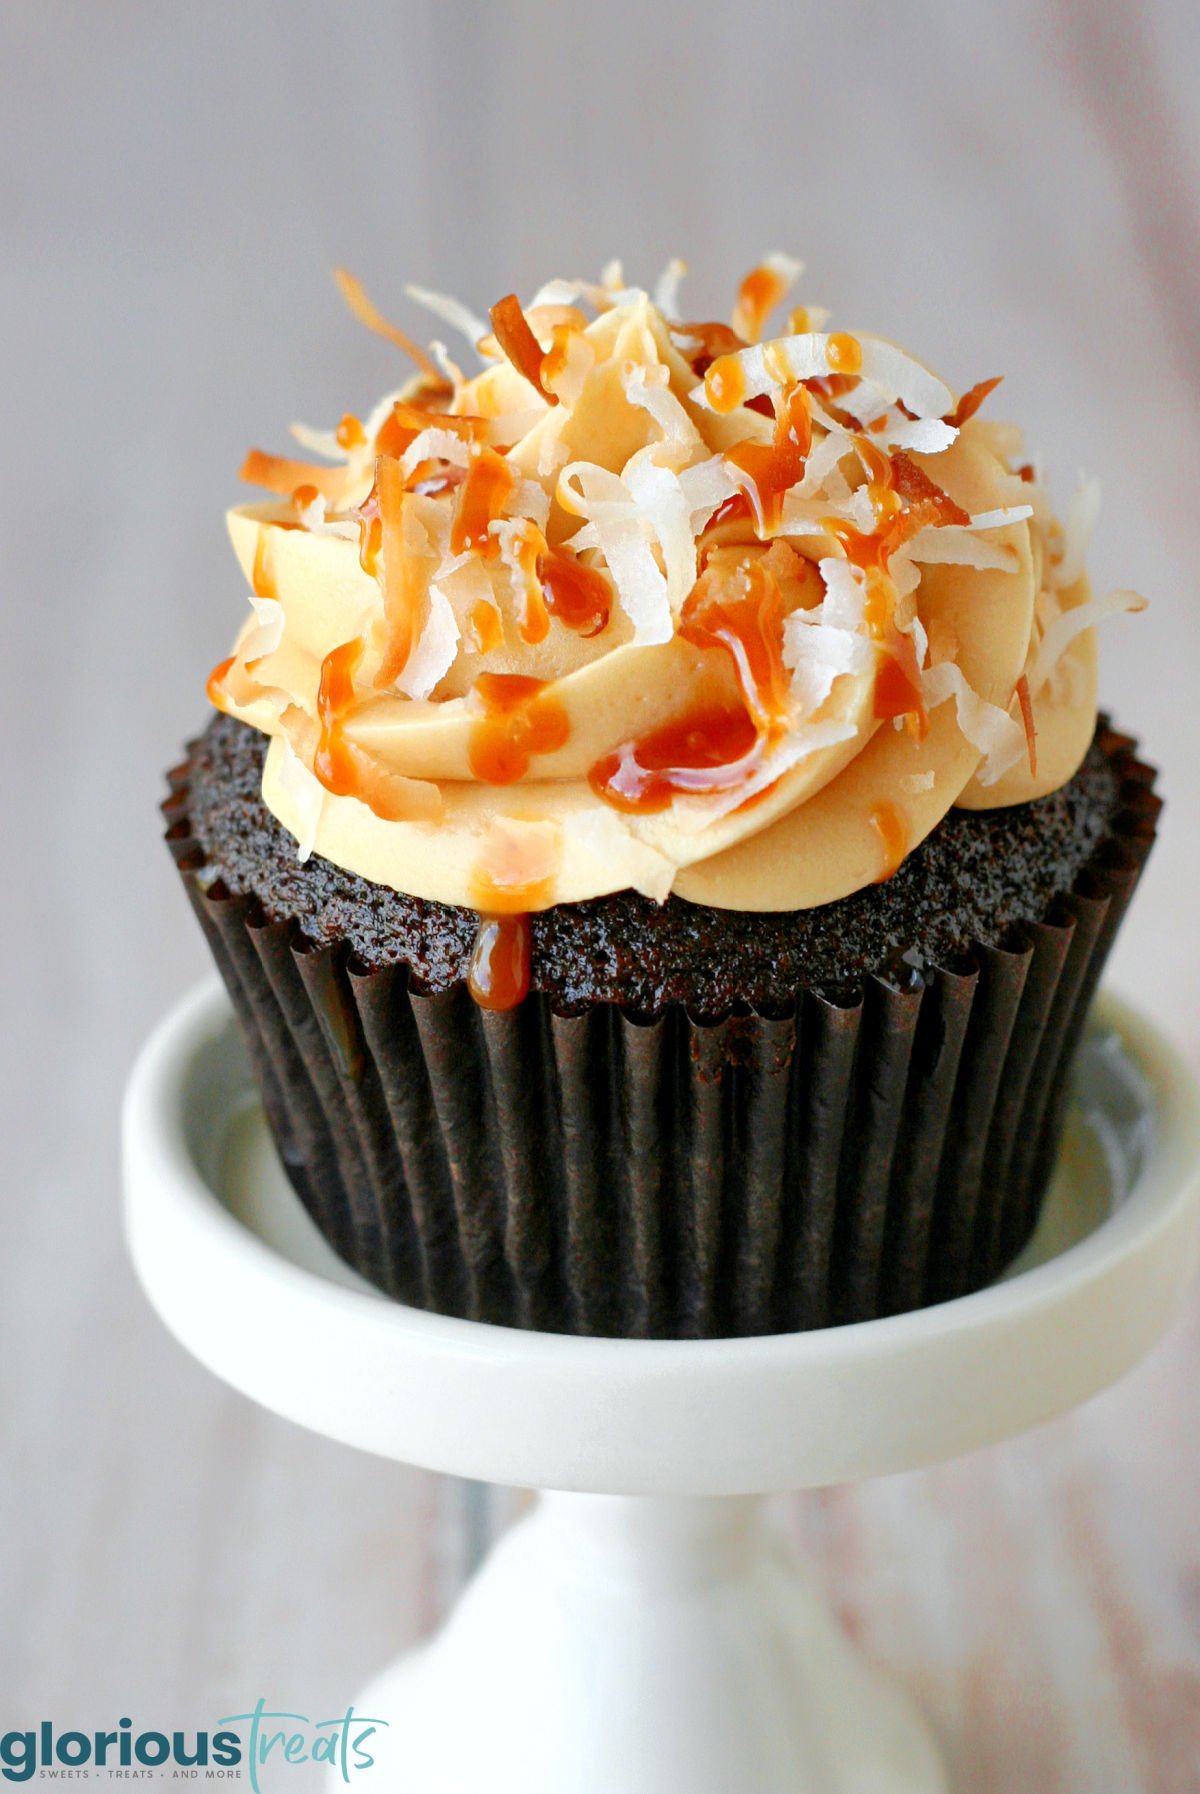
x,y
644,1645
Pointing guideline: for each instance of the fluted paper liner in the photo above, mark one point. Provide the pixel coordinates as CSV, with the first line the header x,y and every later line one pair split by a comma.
x,y
672,1176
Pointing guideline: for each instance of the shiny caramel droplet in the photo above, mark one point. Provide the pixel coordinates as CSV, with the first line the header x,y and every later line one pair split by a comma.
x,y
498,976
725,384
843,353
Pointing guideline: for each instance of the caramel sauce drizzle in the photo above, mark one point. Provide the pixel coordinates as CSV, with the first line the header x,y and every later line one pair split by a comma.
x,y
489,485
214,685
499,970
713,750
843,353
890,825
697,755
703,342
519,719
758,295
262,580
765,473
405,422
578,595
344,768
744,616
725,384
334,761
399,597
486,626
1026,702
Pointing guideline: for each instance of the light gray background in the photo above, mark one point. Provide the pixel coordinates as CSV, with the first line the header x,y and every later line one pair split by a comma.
x,y
1006,188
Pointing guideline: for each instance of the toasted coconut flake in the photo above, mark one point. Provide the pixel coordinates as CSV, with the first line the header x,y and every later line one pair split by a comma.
x,y
519,343
999,739
1077,533
460,317
435,649
1070,623
353,293
666,291
662,502
811,356
649,388
567,363
604,500
435,444
761,291
955,545
404,551
999,518
265,633
971,400
818,653
318,442
278,473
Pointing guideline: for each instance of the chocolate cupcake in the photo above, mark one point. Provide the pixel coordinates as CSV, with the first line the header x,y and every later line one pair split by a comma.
x,y
659,841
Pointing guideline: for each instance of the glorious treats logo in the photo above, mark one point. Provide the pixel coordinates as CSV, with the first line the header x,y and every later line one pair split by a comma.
x,y
260,1744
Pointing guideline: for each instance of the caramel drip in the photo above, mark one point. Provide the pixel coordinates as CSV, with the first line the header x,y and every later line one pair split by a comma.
x,y
766,473
334,761
520,719
725,384
743,614
498,975
215,682
488,486
400,583
533,619
758,296
486,626
697,755
579,596
707,752
889,824
1026,702
262,580
349,770
843,353
405,422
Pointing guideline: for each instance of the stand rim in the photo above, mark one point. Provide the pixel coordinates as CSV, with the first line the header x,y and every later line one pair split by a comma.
x,y
607,1415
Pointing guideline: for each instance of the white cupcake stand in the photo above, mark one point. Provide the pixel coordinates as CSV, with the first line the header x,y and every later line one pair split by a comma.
x,y
643,1631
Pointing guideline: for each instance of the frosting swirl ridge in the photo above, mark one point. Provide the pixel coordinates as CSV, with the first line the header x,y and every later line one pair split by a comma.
x,y
656,604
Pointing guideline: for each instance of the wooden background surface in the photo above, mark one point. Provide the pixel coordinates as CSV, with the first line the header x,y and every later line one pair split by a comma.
x,y
1004,187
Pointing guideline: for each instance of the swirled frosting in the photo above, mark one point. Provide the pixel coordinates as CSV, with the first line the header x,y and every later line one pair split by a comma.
x,y
657,604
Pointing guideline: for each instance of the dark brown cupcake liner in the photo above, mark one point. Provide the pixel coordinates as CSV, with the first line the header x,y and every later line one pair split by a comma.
x,y
675,1176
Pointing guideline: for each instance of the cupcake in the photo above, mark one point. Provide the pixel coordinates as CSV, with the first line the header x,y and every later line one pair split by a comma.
x,y
657,834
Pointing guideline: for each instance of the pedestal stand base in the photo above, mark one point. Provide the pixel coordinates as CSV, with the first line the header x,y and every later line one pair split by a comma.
x,y
646,1635
617,1645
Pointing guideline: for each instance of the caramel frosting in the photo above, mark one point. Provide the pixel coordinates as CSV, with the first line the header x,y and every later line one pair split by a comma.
x,y
656,604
